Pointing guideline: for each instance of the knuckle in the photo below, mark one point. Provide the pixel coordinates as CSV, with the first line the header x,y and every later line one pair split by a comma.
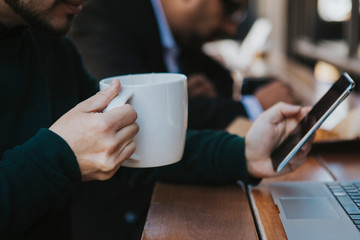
x,y
281,104
135,116
103,125
136,127
106,96
94,124
111,147
132,147
104,176
129,150
106,166
132,114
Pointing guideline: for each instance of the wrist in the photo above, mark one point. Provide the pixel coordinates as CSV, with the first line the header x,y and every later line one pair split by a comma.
x,y
249,158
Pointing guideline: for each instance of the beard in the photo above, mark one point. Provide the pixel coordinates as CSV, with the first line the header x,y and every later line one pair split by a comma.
x,y
40,21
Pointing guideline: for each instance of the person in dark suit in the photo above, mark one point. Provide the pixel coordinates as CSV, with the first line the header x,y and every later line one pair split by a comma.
x,y
137,36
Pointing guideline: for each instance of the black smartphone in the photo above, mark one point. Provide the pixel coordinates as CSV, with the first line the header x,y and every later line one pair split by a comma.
x,y
310,123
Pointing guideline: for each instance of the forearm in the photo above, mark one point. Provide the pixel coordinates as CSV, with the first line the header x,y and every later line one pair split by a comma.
x,y
209,157
33,177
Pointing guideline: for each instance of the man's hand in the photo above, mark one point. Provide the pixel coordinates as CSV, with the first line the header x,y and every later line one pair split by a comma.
x,y
267,132
273,93
100,141
200,85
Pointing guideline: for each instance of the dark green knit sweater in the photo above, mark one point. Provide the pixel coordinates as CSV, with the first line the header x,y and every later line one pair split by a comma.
x,y
43,77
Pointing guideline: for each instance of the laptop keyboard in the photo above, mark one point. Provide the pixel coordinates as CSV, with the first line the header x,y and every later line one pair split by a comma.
x,y
348,196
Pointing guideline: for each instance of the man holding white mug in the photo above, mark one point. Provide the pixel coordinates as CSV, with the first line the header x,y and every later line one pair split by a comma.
x,y
50,141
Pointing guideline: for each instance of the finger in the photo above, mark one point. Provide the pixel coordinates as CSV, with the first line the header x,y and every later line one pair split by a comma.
x,y
293,164
125,135
289,110
281,111
297,161
124,155
120,117
100,100
301,156
122,138
306,110
117,161
306,148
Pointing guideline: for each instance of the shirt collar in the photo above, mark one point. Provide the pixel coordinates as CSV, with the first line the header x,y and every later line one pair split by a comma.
x,y
167,39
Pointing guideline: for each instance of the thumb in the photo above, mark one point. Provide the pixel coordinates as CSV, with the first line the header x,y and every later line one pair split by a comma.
x,y
288,110
100,100
281,111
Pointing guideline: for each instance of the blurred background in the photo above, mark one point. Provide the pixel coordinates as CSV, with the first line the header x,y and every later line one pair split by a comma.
x,y
306,43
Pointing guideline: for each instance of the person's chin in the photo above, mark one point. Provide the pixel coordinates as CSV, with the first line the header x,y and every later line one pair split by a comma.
x,y
59,27
59,21
55,30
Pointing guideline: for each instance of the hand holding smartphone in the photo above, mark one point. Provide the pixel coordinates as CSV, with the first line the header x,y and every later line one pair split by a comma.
x,y
310,123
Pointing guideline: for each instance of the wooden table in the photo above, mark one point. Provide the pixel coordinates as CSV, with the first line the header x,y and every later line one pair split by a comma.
x,y
214,212
199,212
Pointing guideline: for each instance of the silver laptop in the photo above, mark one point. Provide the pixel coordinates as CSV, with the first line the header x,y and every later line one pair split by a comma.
x,y
315,210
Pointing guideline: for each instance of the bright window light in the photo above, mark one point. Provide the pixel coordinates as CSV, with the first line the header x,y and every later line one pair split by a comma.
x,y
334,10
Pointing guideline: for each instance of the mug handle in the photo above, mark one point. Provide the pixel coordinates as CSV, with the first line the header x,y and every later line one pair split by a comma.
x,y
120,99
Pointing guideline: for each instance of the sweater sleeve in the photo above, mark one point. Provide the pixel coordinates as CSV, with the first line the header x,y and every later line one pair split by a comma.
x,y
33,177
88,85
209,157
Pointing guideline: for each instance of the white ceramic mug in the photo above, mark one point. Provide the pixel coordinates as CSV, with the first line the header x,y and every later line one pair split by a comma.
x,y
160,100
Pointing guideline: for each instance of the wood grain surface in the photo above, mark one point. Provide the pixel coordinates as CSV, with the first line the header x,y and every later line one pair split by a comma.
x,y
343,166
199,212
